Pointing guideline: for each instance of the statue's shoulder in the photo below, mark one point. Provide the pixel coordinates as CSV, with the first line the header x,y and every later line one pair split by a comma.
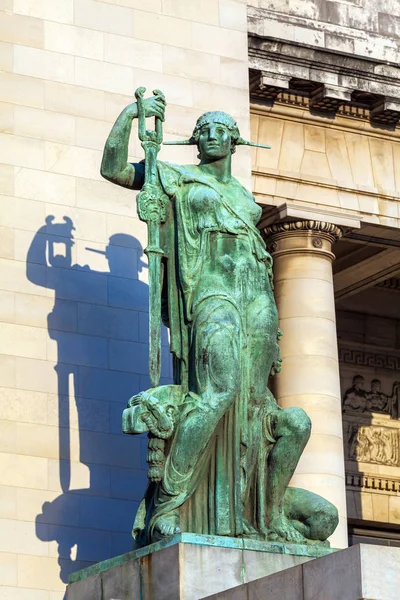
x,y
169,175
172,175
178,170
244,189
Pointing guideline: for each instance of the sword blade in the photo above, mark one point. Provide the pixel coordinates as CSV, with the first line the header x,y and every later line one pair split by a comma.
x,y
154,316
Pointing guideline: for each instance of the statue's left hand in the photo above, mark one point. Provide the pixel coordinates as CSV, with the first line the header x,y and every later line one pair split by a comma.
x,y
155,107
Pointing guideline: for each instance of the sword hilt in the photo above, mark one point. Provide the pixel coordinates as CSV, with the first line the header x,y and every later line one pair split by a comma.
x,y
147,135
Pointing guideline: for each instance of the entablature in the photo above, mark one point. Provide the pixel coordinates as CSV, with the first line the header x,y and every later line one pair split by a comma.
x,y
324,81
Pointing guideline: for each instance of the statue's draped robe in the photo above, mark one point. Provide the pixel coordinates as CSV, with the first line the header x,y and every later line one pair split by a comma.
x,y
214,498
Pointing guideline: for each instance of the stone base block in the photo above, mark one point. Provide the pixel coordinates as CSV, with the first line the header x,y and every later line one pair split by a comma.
x,y
186,567
362,572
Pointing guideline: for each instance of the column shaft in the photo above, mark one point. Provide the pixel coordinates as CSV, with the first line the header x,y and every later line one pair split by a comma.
x,y
310,371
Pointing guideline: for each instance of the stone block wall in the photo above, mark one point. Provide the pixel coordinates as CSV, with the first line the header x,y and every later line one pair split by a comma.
x,y
343,168
366,28
73,277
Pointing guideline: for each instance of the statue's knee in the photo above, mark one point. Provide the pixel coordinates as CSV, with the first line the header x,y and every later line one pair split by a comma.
x,y
324,521
331,517
297,422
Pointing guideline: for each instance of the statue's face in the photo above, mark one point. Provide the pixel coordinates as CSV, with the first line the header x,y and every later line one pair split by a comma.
x,y
358,383
214,141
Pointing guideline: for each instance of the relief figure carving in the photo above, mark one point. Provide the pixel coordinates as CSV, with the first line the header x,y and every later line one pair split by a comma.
x,y
357,399
371,444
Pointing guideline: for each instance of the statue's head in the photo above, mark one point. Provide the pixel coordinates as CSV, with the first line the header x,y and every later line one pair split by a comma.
x,y
227,129
375,385
216,134
358,381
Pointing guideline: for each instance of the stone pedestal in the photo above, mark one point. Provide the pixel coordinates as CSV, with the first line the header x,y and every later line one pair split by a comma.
x,y
359,573
302,253
186,567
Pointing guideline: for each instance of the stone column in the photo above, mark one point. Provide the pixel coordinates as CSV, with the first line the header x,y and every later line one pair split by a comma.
x,y
302,253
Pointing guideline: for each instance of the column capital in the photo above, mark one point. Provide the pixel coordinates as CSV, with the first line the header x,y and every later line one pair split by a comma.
x,y
301,236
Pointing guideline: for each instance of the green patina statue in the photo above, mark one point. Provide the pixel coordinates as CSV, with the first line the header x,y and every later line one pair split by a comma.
x,y
221,452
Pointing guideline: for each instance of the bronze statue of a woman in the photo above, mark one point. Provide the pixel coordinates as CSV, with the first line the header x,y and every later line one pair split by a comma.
x,y
221,451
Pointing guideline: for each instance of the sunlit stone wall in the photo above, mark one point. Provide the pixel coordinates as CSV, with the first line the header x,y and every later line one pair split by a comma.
x,y
342,168
73,277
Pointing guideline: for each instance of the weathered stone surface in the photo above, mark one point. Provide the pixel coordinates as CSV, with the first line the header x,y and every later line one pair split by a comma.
x,y
160,574
121,582
327,80
261,564
340,577
357,573
189,567
371,25
88,589
333,44
380,572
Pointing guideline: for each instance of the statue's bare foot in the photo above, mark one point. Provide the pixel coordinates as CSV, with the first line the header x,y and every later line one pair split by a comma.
x,y
167,525
281,528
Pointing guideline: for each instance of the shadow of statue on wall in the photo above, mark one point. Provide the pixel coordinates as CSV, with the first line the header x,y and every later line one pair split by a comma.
x,y
99,326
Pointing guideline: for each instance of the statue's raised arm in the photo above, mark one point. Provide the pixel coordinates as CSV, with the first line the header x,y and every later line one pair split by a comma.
x,y
221,452
115,166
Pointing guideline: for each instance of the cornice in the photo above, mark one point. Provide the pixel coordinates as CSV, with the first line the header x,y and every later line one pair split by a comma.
x,y
330,82
293,53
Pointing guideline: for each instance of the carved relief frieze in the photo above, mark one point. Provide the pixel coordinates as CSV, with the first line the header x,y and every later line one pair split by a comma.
x,y
371,402
371,444
357,399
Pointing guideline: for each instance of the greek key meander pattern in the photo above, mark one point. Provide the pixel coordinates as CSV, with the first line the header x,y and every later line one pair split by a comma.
x,y
372,482
363,358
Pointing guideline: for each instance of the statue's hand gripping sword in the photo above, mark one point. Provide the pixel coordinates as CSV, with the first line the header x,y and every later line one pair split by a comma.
x,y
152,205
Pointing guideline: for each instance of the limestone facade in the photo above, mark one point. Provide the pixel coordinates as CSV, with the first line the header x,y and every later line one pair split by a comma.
x,y
341,168
303,287
324,82
369,355
324,91
339,171
74,292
